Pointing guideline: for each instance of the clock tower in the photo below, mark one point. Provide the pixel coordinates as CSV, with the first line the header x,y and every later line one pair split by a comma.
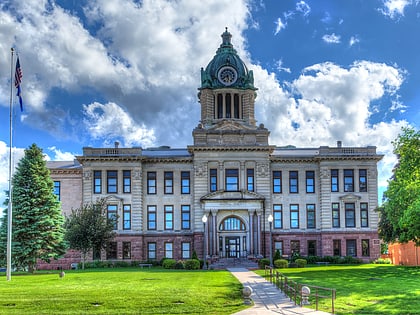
x,y
227,97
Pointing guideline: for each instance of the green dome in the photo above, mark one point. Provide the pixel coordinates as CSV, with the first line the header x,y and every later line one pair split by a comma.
x,y
227,69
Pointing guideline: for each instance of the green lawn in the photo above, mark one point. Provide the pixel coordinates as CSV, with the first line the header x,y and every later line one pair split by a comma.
x,y
122,291
365,289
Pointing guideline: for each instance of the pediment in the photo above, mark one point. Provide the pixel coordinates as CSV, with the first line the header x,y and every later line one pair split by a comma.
x,y
232,195
230,125
350,198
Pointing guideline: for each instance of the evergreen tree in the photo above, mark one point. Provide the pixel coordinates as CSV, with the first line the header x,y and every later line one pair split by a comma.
x,y
37,225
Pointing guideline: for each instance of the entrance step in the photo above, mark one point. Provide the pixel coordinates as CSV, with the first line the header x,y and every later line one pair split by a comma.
x,y
224,263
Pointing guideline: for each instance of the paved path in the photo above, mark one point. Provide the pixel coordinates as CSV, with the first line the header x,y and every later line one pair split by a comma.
x,y
268,300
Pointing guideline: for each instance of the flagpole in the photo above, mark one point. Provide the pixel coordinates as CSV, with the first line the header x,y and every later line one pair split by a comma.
x,y
10,208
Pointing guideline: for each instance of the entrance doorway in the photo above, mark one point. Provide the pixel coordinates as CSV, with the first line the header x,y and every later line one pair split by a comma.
x,y
233,246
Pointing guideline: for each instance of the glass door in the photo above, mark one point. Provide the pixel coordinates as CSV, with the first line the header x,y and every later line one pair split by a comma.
x,y
233,246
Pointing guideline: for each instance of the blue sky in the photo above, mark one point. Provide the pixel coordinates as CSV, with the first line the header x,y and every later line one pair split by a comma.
x,y
100,71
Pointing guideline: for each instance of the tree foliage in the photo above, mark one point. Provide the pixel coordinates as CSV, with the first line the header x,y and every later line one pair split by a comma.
x,y
400,212
88,228
37,225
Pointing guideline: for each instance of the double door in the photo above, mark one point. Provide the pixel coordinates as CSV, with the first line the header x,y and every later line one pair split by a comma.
x,y
233,246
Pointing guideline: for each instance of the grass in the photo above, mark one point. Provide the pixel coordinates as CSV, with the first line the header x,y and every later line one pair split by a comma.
x,y
122,291
365,289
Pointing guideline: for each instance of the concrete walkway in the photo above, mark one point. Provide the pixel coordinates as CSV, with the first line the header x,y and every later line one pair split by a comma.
x,y
268,299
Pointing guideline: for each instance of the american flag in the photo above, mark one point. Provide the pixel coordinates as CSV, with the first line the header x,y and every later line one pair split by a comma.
x,y
18,81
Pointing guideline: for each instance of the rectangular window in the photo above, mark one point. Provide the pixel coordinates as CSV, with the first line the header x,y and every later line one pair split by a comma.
x,y
277,216
278,246
365,248
312,248
57,189
186,250
151,183
336,215
111,250
295,247
185,217
250,179
112,214
127,182
97,182
169,252
112,182
310,182
350,215
351,248
169,182
337,247
294,216
127,217
151,217
232,179
334,181
362,180
310,216
169,217
364,218
213,179
348,180
151,251
185,182
293,182
126,250
277,182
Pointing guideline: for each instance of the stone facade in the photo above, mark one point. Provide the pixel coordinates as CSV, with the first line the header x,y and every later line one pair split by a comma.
x,y
215,197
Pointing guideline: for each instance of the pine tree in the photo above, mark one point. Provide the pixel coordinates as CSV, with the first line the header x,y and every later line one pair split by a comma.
x,y
37,225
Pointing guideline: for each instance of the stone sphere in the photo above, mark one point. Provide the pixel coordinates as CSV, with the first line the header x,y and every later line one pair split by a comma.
x,y
247,291
306,291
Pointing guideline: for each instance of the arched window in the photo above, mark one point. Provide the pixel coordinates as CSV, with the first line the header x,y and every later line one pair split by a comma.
x,y
232,224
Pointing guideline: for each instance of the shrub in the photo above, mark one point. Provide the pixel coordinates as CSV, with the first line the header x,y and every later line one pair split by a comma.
x,y
385,261
194,255
281,263
179,265
120,263
169,263
263,262
301,263
277,255
192,264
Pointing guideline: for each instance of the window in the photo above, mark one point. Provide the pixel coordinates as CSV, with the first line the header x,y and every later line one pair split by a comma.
x,y
362,180
151,251
348,180
97,182
151,217
228,103
350,215
151,183
232,224
96,254
295,247
169,182
112,214
57,189
213,179
334,180
278,246
169,217
236,105
185,217
294,216
336,215
127,182
312,248
112,181
364,218
185,182
232,180
277,216
127,217
293,182
365,248
310,182
351,248
126,250
186,250
111,250
250,179
277,182
169,252
337,247
310,216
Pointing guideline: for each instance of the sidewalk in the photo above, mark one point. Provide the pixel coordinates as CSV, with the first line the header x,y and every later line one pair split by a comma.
x,y
268,300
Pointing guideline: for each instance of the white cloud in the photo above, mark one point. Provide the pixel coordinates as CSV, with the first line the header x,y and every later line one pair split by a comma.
x,y
331,38
279,26
354,40
394,8
280,67
303,7
60,155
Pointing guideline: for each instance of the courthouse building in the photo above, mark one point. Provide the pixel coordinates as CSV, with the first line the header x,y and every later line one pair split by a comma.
x,y
230,194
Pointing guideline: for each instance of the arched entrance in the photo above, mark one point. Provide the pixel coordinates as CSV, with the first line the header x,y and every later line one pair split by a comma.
x,y
232,237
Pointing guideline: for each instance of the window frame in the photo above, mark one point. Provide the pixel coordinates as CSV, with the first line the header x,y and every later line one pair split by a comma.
x,y
111,213
111,176
151,217
232,179
151,251
185,182
126,181
126,252
185,217
293,182
213,179
365,249
362,180
277,182
310,210
169,250
126,221
364,214
57,189
309,244
112,250
335,209
169,217
351,245
97,182
336,247
168,182
350,214
151,183
185,252
277,216
294,222
250,179
310,182
348,178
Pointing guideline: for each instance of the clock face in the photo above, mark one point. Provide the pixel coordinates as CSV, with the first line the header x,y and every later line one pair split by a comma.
x,y
227,75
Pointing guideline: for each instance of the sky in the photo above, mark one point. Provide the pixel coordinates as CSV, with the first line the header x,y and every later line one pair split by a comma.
x,y
100,71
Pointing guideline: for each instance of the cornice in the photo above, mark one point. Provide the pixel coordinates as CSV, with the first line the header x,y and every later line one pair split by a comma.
x,y
265,148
